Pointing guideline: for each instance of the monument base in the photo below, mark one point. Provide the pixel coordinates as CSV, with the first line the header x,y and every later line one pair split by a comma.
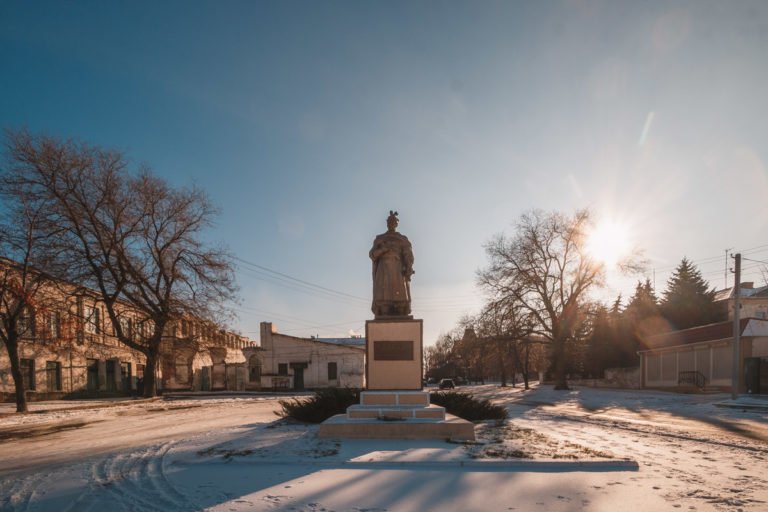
x,y
393,353
397,415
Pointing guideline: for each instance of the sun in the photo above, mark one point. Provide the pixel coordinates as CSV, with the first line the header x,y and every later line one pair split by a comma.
x,y
608,242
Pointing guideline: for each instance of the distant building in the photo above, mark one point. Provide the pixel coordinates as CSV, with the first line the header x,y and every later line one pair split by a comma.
x,y
702,356
290,362
754,301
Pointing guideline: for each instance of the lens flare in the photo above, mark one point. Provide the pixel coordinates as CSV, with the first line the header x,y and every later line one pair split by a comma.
x,y
608,242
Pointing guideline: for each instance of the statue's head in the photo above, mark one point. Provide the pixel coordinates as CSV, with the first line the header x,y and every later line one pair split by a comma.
x,y
392,221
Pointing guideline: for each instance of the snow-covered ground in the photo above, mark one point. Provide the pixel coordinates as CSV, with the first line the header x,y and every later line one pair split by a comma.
x,y
585,449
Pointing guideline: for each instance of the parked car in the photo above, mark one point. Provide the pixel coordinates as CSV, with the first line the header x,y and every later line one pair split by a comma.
x,y
446,384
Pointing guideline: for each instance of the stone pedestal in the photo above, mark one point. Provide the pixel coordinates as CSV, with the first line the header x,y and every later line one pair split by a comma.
x,y
393,354
394,405
397,415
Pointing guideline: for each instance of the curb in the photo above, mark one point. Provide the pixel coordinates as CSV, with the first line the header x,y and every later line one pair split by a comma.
x,y
549,466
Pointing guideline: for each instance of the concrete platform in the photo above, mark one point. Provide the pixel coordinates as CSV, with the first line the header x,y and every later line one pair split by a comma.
x,y
453,428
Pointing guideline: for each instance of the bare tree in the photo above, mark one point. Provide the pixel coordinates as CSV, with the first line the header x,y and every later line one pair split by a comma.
x,y
23,234
544,269
133,238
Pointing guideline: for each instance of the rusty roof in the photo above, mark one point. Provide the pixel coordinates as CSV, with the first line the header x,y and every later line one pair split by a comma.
x,y
709,332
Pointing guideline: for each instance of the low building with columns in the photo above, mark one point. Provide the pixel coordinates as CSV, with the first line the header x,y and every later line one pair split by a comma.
x,y
703,357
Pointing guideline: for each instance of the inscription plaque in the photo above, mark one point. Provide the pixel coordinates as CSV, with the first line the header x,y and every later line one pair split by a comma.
x,y
393,350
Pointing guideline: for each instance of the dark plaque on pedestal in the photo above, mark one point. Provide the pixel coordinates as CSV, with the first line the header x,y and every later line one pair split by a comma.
x,y
393,350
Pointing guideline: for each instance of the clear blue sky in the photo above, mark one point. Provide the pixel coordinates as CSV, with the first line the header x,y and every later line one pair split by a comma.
x,y
308,121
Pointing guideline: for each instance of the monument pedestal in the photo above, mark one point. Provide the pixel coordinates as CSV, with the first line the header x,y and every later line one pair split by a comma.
x,y
394,406
393,351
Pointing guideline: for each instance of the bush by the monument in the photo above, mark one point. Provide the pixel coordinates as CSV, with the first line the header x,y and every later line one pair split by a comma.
x,y
319,407
468,407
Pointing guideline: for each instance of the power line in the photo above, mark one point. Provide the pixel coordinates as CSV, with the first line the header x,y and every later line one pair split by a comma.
x,y
301,281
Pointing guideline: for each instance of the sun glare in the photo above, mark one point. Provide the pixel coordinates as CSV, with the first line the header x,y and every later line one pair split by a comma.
x,y
608,242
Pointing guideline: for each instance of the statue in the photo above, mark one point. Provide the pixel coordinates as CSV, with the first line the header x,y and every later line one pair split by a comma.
x,y
392,270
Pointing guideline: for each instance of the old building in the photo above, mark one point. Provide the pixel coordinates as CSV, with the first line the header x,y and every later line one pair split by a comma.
x,y
68,348
754,301
289,362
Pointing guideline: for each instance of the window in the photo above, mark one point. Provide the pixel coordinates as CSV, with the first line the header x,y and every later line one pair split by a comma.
x,y
92,319
53,325
332,371
141,329
282,369
28,373
26,323
126,325
53,375
184,328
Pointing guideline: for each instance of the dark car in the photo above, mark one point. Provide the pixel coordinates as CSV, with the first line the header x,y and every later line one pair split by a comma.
x,y
446,384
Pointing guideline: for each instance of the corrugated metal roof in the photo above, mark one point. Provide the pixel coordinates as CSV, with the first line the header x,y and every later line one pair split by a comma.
x,y
727,293
349,342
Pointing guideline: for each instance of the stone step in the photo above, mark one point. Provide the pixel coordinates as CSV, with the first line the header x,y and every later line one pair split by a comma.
x,y
431,412
395,398
340,426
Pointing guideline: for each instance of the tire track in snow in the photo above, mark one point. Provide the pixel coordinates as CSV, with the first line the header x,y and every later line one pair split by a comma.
x,y
16,493
132,481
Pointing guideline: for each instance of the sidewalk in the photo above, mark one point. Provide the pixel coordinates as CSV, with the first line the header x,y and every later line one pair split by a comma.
x,y
747,402
9,408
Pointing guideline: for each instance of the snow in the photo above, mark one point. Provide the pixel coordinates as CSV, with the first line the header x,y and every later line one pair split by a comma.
x,y
585,449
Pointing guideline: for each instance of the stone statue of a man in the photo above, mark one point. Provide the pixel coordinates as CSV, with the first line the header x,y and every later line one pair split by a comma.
x,y
392,269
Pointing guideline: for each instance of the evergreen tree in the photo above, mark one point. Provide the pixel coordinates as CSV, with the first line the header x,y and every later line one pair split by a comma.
x,y
643,304
599,344
688,300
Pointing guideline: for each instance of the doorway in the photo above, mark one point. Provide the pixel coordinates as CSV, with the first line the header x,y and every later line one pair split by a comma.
x,y
298,375
756,375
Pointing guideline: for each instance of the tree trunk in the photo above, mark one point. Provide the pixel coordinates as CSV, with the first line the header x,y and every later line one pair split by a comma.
x,y
561,383
18,378
524,366
150,372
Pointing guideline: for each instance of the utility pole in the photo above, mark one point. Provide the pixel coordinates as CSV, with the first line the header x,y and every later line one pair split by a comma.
x,y
736,327
726,268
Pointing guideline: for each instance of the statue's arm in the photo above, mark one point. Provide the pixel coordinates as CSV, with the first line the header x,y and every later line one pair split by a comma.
x,y
408,262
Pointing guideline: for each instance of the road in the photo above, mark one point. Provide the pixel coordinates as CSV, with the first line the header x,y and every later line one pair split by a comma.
x,y
230,454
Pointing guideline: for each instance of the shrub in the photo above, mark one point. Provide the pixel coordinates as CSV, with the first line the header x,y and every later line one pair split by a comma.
x,y
468,407
319,407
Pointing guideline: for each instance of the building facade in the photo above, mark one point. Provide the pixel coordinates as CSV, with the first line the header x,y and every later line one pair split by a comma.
x,y
754,301
289,362
68,348
703,356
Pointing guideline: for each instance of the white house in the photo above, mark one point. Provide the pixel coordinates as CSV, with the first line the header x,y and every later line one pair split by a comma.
x,y
289,362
